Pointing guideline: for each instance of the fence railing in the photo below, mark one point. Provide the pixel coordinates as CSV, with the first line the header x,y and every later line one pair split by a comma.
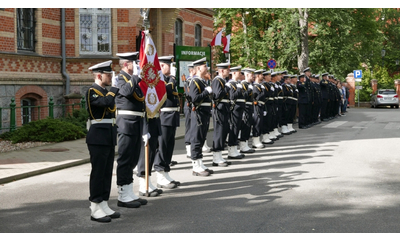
x,y
8,115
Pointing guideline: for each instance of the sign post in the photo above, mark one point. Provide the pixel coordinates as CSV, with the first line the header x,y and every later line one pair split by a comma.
x,y
358,77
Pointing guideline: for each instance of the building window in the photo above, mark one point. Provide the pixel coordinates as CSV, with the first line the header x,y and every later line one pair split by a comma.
x,y
95,31
178,32
26,29
197,35
26,111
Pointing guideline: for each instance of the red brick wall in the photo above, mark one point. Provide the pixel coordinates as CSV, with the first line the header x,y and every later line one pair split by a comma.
x,y
7,27
52,31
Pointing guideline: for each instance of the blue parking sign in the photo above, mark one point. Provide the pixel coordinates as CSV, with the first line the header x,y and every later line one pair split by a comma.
x,y
357,73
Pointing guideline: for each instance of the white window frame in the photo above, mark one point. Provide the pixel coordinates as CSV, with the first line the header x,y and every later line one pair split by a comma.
x,y
92,33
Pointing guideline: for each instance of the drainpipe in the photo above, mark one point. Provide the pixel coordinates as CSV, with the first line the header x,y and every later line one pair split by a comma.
x,y
63,64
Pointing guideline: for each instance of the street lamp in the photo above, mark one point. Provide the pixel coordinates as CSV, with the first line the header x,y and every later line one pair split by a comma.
x,y
383,52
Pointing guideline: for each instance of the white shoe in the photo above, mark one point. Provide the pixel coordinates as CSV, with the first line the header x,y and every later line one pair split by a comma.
x,y
124,194
285,130
233,153
257,143
218,160
266,140
97,213
206,148
244,147
197,169
272,136
111,213
163,182
277,133
142,188
290,127
188,151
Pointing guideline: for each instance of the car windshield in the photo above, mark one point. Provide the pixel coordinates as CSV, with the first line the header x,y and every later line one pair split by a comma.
x,y
387,92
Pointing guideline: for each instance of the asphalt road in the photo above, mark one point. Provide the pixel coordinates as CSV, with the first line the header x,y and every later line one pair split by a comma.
x,y
340,176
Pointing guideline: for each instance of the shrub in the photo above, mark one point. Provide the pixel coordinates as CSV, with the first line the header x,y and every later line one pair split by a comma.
x,y
79,118
47,130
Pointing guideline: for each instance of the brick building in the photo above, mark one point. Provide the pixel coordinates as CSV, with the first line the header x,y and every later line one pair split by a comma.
x,y
46,52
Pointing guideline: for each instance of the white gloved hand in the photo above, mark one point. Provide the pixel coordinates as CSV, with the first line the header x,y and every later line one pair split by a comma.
x,y
265,113
228,85
209,89
262,86
250,87
272,88
238,85
146,138
173,69
114,80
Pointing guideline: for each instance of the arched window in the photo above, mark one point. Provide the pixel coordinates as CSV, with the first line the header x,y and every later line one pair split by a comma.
x,y
178,32
197,35
26,110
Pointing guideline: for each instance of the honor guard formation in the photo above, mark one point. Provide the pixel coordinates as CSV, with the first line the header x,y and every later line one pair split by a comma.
x,y
243,103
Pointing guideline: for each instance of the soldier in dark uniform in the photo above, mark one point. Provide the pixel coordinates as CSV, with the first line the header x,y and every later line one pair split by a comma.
x,y
170,119
315,102
294,98
275,134
307,73
238,102
130,113
318,100
288,104
101,140
267,126
325,96
247,123
302,101
188,109
221,112
259,96
201,112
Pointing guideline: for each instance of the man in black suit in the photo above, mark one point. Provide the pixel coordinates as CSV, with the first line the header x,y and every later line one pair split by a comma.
x,y
302,101
101,140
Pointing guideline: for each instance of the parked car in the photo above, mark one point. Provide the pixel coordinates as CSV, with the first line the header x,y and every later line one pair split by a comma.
x,y
385,97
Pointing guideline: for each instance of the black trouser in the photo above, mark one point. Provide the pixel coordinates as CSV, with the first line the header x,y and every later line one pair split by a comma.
x,y
221,127
235,124
309,113
289,113
275,117
303,107
258,120
102,161
284,114
153,148
245,130
129,147
324,106
271,115
280,113
187,111
166,145
198,133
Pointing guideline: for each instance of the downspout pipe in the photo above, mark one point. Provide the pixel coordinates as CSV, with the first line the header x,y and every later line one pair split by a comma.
x,y
63,54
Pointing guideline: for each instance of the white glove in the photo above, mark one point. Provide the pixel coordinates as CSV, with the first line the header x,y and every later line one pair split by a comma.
x,y
208,89
280,87
136,69
228,85
262,86
146,138
250,87
272,88
265,113
297,90
238,85
173,69
114,80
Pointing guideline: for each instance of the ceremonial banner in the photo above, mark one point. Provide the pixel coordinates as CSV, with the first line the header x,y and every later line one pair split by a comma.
x,y
152,84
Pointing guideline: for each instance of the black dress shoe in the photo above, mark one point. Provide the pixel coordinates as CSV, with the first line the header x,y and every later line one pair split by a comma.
x,y
153,193
209,170
302,127
114,215
177,183
235,157
131,204
248,151
173,163
102,220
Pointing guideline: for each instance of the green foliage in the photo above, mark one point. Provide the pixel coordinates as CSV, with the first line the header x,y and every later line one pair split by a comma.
x,y
79,118
46,130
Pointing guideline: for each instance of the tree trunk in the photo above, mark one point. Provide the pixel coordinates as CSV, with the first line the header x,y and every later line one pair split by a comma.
x,y
246,46
302,60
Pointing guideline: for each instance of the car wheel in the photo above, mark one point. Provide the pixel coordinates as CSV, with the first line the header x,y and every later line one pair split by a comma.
x,y
397,106
391,106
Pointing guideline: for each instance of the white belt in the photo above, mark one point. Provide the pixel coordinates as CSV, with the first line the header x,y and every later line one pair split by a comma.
x,y
170,109
249,103
225,100
134,113
275,98
106,120
271,98
261,102
241,100
280,97
293,98
207,104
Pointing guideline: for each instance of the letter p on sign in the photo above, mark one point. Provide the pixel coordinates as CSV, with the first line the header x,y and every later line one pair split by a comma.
x,y
357,73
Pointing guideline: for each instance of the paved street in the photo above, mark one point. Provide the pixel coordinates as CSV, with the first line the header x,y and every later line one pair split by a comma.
x,y
340,176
